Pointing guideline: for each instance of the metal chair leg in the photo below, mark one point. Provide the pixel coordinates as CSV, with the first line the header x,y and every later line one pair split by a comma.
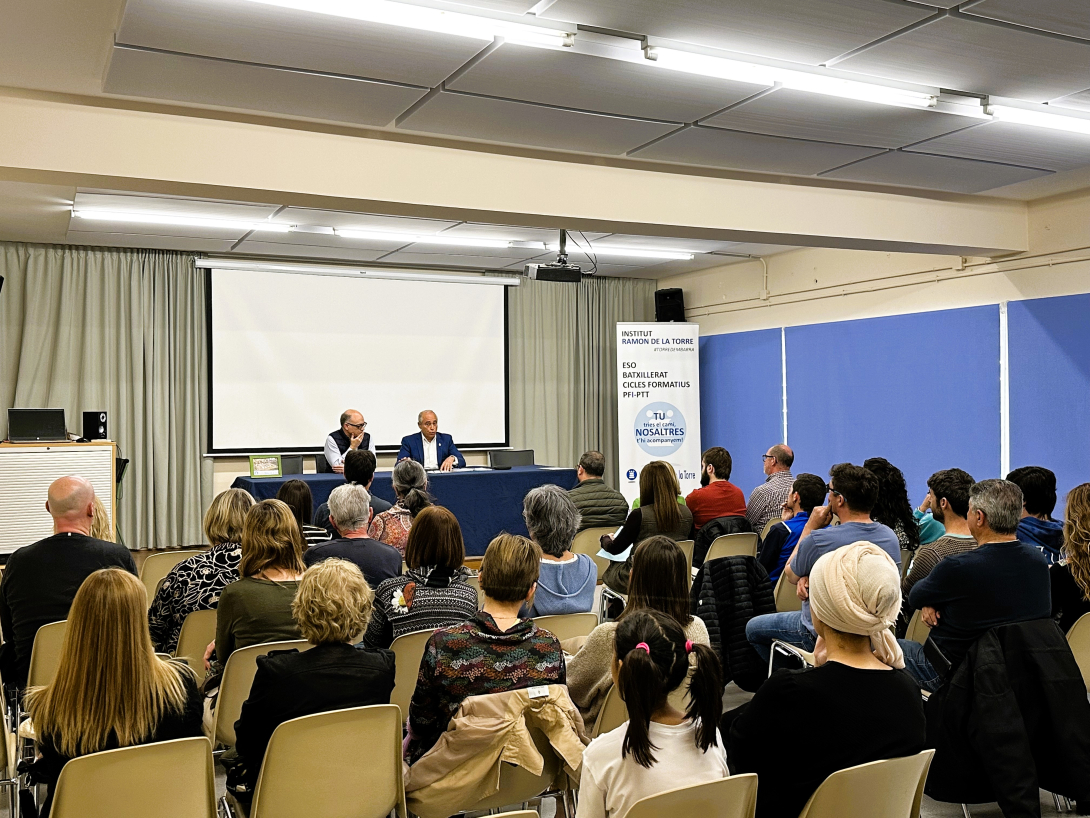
x,y
965,811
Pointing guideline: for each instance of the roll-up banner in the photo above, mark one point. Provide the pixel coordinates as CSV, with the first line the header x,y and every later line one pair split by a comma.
x,y
658,401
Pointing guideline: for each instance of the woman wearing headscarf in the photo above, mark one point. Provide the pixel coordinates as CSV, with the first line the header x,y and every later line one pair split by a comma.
x,y
858,705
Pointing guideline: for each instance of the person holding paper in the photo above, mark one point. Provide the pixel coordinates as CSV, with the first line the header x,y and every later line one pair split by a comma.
x,y
429,446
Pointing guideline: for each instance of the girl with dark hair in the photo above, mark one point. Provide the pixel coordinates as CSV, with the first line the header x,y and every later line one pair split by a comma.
x,y
892,508
296,495
659,748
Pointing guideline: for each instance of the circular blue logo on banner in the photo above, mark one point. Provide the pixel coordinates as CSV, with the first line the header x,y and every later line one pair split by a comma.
x,y
660,428
631,474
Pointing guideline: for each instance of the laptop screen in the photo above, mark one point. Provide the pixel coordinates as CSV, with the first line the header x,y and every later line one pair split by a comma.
x,y
36,425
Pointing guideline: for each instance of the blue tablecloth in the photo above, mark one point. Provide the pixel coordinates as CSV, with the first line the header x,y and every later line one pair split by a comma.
x,y
485,502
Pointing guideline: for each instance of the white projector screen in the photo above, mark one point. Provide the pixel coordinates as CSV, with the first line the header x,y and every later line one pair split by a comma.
x,y
291,351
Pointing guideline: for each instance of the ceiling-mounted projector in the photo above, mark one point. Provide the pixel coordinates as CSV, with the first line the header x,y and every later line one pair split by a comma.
x,y
559,270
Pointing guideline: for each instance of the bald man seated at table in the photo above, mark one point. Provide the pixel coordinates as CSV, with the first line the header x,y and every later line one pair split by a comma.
x,y
429,446
350,437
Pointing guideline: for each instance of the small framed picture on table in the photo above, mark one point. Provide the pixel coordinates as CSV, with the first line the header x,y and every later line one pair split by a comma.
x,y
265,465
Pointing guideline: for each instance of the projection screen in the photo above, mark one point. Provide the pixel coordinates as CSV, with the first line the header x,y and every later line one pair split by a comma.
x,y
290,351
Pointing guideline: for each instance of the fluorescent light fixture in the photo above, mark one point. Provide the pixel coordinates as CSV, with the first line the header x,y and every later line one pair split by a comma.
x,y
625,252
178,220
771,76
415,238
1041,117
351,272
440,21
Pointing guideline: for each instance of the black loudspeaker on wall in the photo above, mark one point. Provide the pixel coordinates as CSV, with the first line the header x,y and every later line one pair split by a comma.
x,y
670,305
94,426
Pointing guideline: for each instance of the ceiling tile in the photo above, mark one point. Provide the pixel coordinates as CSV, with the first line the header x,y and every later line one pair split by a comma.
x,y
520,123
830,119
1015,145
506,233
362,221
1061,16
595,83
975,56
151,242
501,255
172,205
761,249
257,33
657,243
449,260
263,247
203,81
743,151
807,31
933,172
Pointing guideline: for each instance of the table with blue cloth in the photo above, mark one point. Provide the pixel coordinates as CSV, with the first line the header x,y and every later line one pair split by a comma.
x,y
486,502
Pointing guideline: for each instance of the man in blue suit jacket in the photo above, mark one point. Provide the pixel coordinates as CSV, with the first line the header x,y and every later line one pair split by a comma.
x,y
430,446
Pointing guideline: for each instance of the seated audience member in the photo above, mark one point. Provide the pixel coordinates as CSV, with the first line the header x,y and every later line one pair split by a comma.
x,y
659,582
40,580
999,582
768,499
430,447
331,608
435,592
295,494
496,650
853,491
359,467
948,499
1037,528
110,689
658,514
257,608
807,491
892,508
929,528
659,748
349,438
598,504
717,496
567,580
411,489
855,706
1070,579
100,523
349,511
195,584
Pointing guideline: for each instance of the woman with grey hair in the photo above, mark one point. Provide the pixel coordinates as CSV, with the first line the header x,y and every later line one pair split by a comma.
x,y
567,580
411,487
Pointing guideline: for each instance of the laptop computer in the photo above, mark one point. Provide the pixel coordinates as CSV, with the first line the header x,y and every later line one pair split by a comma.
x,y
36,426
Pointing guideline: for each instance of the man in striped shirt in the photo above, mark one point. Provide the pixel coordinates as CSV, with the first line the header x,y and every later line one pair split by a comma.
x,y
767,500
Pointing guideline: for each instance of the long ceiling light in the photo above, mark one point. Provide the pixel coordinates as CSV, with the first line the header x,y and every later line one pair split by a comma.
x,y
423,18
178,220
770,76
626,252
1041,117
414,238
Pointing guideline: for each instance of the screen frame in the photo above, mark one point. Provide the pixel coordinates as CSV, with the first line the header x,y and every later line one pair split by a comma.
x,y
317,450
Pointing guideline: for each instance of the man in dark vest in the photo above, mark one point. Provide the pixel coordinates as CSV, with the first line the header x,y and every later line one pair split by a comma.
x,y
349,437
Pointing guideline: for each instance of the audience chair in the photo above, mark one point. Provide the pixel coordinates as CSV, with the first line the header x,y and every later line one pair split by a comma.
x,y
768,527
168,779
340,764
733,545
238,678
522,813
804,656
198,629
1078,639
686,547
881,789
906,561
157,566
917,630
734,797
568,626
612,715
408,651
505,458
786,597
45,655
475,583
589,542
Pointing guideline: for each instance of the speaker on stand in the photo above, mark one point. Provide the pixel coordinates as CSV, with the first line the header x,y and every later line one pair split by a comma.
x,y
670,305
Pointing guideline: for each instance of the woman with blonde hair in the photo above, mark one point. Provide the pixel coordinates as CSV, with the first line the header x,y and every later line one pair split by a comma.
x,y
111,690
1071,576
100,523
195,584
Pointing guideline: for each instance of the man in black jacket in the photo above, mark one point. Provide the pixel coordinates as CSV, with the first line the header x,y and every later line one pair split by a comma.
x,y
598,504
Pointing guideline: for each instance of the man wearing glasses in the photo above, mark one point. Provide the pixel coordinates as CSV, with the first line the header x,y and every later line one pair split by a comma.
x,y
767,500
349,437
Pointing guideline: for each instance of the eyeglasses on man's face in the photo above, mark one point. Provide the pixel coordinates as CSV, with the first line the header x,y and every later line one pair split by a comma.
x,y
360,426
829,488
768,457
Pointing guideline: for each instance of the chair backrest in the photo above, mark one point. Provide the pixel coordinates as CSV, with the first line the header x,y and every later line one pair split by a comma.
x,y
768,527
321,465
686,547
613,713
589,542
408,651
157,566
45,655
568,626
734,797
787,599
475,583
198,629
168,779
340,764
906,560
733,545
881,789
238,678
520,813
1078,639
518,784
918,631
511,457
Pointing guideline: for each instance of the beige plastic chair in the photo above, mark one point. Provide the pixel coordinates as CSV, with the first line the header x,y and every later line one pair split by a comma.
x,y
169,779
881,789
768,527
340,764
906,561
475,583
612,715
568,626
157,566
408,651
522,813
198,629
238,678
734,797
733,545
45,655
589,542
918,631
786,597
686,547
1078,639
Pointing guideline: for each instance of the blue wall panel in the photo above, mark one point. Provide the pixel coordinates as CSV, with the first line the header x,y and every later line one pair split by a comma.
x,y
921,390
1049,344
741,388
